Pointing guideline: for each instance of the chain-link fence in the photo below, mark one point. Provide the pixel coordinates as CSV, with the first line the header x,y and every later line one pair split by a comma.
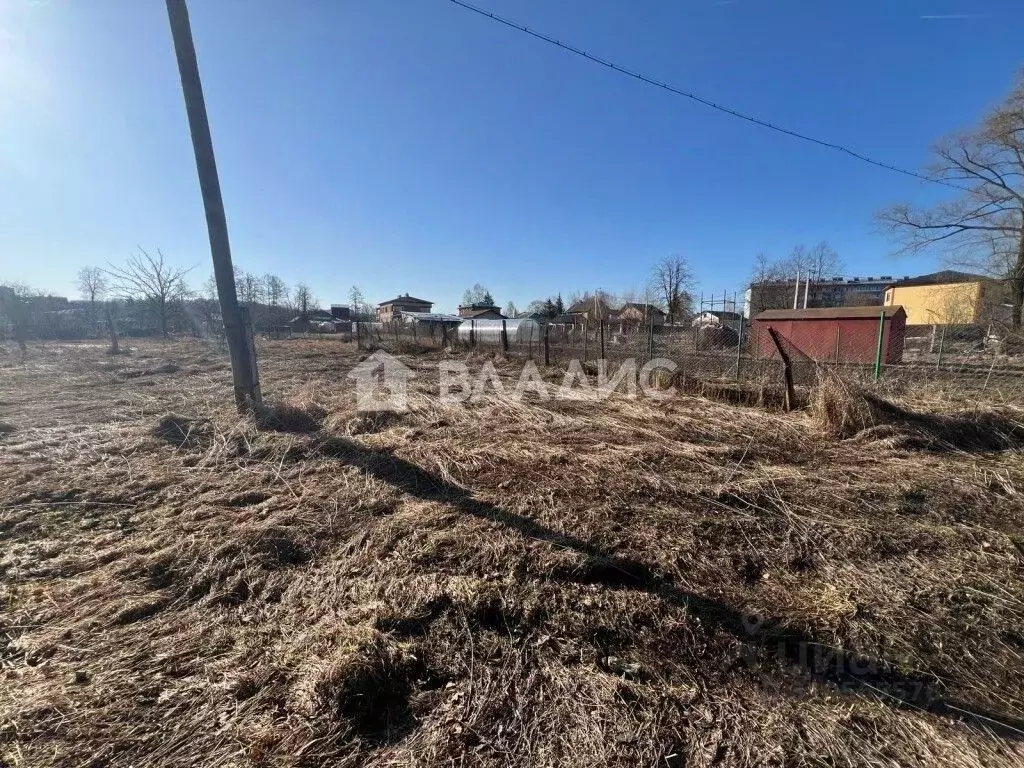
x,y
858,344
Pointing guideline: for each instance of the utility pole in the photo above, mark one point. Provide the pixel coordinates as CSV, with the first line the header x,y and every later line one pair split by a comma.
x,y
243,356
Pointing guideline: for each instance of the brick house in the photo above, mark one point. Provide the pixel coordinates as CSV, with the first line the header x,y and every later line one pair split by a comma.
x,y
392,309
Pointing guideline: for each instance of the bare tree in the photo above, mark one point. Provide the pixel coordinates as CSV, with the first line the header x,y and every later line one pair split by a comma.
x,y
771,285
92,284
210,287
152,279
249,288
983,226
764,270
478,294
772,280
358,301
672,282
304,300
819,262
276,292
511,310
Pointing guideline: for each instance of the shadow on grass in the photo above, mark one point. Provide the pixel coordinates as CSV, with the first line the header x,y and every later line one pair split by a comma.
x,y
762,638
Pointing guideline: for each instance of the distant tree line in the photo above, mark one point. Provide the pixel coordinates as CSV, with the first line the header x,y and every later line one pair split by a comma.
x,y
669,287
147,295
819,262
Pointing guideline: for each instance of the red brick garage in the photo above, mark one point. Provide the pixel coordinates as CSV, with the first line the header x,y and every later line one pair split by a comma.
x,y
833,334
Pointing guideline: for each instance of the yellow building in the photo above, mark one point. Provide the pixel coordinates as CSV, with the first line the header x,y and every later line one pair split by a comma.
x,y
946,298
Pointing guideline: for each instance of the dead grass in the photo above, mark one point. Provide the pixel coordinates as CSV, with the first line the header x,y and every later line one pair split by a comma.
x,y
846,410
565,582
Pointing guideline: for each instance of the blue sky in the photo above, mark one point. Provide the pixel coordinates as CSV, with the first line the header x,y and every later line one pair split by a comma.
x,y
409,145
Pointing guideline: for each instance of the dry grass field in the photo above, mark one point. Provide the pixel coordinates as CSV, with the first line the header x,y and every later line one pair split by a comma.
x,y
677,582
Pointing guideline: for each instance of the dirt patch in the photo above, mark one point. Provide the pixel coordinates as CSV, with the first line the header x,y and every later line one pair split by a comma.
x,y
367,683
166,368
372,422
182,432
289,417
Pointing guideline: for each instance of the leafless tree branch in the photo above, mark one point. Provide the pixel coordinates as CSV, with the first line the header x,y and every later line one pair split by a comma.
x,y
984,227
150,278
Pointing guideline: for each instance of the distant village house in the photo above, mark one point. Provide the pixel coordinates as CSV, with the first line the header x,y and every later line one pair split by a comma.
x,y
634,316
713,318
949,297
481,311
392,309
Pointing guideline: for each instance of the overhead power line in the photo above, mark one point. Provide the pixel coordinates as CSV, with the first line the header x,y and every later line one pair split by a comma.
x,y
699,99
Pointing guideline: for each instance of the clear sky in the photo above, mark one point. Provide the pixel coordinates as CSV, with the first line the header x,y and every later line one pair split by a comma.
x,y
412,146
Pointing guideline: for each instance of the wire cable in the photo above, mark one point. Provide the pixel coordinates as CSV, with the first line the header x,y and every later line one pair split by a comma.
x,y
699,99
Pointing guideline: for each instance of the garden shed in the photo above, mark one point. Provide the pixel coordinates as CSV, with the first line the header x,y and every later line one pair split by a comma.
x,y
833,334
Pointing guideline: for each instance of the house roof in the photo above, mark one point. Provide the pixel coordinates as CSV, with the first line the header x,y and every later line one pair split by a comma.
x,y
823,281
407,299
482,311
942,277
642,307
829,313
587,305
479,305
316,316
724,314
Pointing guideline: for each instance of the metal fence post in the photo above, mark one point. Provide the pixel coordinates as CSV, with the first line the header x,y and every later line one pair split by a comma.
x,y
504,337
739,346
602,338
114,350
878,350
650,333
547,347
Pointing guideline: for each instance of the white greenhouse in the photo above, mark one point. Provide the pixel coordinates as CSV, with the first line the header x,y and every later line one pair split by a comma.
x,y
520,331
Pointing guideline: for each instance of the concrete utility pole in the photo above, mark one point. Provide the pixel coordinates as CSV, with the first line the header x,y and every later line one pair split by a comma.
x,y
243,356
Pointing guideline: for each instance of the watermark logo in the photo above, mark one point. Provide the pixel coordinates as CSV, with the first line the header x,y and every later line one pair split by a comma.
x,y
765,651
382,383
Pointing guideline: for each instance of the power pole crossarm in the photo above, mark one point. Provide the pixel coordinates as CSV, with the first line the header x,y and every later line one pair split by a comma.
x,y
243,360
